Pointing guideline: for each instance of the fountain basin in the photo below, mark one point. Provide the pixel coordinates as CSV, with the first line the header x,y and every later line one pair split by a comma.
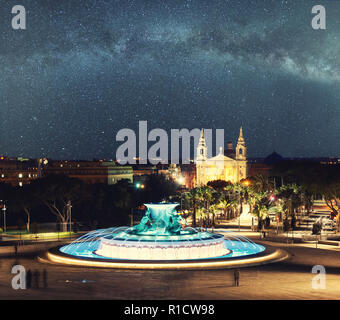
x,y
161,241
168,248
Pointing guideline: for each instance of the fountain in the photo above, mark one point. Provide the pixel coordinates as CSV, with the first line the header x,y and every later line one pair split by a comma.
x,y
161,240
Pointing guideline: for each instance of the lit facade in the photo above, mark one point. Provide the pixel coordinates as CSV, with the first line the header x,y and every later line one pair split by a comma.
x,y
221,167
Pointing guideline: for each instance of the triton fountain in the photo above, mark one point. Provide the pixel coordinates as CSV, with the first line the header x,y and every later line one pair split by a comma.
x,y
162,240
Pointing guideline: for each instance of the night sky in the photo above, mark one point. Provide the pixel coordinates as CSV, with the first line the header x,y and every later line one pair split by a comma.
x,y
85,69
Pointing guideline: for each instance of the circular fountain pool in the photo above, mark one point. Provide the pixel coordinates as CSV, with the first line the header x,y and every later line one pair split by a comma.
x,y
162,240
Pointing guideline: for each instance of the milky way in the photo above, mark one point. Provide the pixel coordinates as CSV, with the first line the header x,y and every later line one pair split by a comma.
x,y
85,69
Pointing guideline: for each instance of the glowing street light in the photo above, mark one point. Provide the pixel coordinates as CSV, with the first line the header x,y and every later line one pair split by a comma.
x,y
246,183
4,210
181,180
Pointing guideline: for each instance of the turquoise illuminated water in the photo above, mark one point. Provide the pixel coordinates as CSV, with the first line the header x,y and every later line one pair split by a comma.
x,y
161,235
238,249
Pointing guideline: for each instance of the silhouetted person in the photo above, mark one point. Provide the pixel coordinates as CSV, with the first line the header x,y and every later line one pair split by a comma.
x,y
237,277
16,249
36,278
45,279
28,279
293,223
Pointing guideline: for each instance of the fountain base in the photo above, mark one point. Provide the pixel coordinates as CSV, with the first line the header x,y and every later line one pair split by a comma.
x,y
165,248
270,255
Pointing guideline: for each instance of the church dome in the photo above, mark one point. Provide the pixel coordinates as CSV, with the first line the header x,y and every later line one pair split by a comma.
x,y
273,158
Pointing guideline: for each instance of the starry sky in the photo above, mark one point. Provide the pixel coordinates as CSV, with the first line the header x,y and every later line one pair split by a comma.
x,y
85,69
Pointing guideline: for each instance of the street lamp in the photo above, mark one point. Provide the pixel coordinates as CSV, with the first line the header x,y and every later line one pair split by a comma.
x,y
4,210
69,208
246,183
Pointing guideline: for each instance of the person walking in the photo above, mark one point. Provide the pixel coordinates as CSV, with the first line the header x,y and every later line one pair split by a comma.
x,y
237,277
28,279
44,279
36,278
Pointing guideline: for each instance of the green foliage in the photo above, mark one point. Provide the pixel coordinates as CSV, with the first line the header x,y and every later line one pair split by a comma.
x,y
290,197
314,179
262,206
261,184
217,197
218,185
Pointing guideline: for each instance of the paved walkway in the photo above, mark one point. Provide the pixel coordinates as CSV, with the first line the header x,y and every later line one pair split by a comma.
x,y
287,280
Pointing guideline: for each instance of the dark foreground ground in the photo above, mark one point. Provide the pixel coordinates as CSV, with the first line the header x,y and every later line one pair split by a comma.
x,y
287,280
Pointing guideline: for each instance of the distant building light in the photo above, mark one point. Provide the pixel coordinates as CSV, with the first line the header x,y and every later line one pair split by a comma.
x,y
20,175
181,180
20,184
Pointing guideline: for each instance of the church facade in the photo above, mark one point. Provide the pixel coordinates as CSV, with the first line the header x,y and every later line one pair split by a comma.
x,y
231,166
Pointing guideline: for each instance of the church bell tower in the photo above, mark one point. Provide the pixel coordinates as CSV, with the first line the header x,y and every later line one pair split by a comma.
x,y
241,157
241,149
202,150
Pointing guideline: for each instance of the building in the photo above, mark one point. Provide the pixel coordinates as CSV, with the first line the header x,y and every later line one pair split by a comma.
x,y
231,168
189,175
106,172
18,171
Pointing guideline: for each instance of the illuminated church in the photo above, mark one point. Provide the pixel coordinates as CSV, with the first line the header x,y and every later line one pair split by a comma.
x,y
231,166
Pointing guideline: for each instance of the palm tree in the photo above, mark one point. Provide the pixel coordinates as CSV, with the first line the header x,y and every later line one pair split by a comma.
x,y
291,195
194,195
213,208
261,184
261,209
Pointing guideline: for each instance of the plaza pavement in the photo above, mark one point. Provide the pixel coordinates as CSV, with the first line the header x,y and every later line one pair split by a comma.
x,y
290,279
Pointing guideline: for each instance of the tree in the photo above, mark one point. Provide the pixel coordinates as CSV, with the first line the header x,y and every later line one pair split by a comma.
x,y
291,196
218,185
262,208
57,193
23,199
194,195
226,204
261,184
